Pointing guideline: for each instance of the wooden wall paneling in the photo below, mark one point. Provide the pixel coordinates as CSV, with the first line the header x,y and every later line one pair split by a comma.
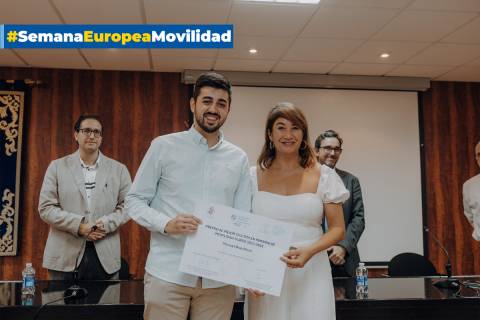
x,y
138,106
451,128
135,108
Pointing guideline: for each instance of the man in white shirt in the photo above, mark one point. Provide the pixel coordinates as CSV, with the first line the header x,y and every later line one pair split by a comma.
x,y
471,199
177,171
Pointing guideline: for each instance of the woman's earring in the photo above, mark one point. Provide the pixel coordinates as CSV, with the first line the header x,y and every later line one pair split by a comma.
x,y
303,145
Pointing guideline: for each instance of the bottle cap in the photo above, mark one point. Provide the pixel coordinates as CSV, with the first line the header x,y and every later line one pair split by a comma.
x,y
28,265
361,264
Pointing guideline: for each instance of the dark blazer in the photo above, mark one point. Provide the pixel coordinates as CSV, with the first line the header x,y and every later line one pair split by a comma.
x,y
353,213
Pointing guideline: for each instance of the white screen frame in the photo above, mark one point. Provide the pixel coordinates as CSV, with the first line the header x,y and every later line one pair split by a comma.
x,y
381,147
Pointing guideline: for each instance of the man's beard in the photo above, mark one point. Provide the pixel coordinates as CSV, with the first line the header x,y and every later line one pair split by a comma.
x,y
208,129
331,163
327,162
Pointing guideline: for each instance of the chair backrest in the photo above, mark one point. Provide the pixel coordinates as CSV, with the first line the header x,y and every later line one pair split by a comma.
x,y
124,273
410,264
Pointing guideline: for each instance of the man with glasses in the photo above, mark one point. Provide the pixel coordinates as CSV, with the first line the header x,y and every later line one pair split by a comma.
x,y
344,256
471,199
82,200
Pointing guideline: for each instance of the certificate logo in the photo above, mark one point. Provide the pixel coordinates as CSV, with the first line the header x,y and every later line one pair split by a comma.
x,y
211,211
239,221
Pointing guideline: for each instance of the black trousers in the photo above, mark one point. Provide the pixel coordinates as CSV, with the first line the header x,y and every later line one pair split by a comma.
x,y
89,268
339,271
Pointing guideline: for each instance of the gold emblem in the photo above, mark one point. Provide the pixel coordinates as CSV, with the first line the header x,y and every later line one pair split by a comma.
x,y
9,115
7,216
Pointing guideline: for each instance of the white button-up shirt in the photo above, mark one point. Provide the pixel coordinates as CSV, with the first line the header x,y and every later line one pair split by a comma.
x,y
177,171
471,204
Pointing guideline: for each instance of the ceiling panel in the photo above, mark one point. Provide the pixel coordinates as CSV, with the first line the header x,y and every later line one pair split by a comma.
x,y
53,58
475,62
443,54
185,53
453,5
399,52
244,65
268,48
100,12
304,67
419,71
462,74
187,11
470,33
8,58
110,59
324,50
354,23
28,12
429,38
393,4
362,69
423,25
172,64
261,19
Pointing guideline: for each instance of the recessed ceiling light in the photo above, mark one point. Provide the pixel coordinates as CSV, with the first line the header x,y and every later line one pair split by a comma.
x,y
384,55
253,51
286,1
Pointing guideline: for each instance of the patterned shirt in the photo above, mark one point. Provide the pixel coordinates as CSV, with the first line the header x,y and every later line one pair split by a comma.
x,y
89,174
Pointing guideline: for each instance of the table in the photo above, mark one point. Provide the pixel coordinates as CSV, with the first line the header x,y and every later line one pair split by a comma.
x,y
389,298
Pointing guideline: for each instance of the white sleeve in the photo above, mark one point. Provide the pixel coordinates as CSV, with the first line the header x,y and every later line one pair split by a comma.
x,y
332,187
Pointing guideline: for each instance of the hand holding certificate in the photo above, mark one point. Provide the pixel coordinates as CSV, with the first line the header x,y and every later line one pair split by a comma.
x,y
238,248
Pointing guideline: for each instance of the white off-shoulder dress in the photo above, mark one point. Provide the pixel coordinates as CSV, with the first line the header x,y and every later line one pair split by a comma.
x,y
307,292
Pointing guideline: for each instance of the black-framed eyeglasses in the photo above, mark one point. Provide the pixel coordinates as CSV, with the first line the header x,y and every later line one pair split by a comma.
x,y
87,131
335,150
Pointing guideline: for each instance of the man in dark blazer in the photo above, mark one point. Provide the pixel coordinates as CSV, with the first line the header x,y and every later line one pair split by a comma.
x,y
344,257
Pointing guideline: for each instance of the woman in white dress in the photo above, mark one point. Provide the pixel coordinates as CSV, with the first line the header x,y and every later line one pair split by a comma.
x,y
289,185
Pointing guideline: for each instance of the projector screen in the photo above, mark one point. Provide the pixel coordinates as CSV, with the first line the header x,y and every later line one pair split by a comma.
x,y
381,147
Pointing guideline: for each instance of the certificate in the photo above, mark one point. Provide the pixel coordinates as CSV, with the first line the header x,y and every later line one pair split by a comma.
x,y
238,248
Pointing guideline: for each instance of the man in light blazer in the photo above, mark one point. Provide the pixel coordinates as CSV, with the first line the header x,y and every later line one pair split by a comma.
x,y
82,200
344,257
471,198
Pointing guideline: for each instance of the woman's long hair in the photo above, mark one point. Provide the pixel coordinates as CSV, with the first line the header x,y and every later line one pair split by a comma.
x,y
288,111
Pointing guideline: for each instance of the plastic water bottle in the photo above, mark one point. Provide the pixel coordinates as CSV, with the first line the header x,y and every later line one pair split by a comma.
x,y
362,281
28,285
27,299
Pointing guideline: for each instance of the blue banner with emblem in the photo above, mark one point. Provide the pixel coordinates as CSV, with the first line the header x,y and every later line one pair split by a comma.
x,y
11,125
